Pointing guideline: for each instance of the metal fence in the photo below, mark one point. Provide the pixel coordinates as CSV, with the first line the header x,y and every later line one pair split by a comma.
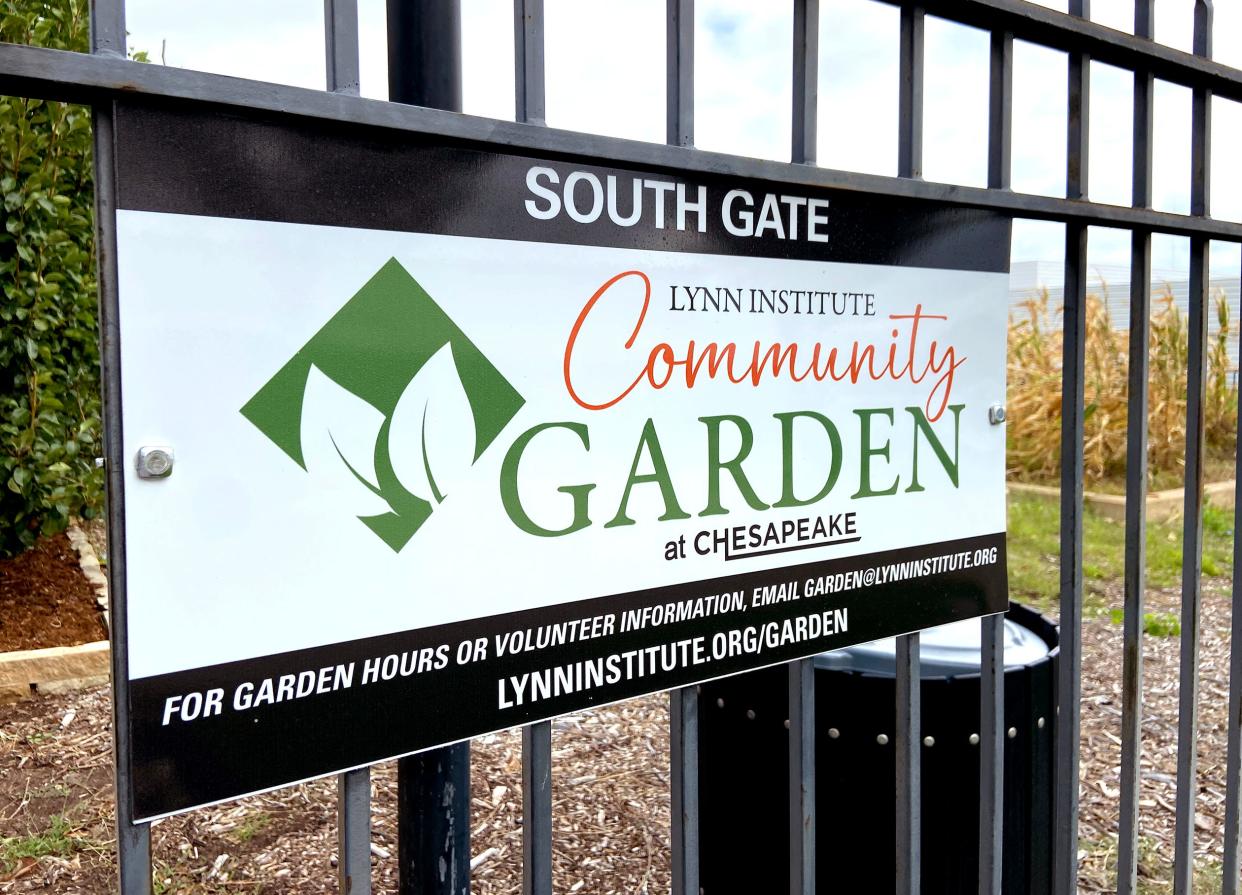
x,y
105,75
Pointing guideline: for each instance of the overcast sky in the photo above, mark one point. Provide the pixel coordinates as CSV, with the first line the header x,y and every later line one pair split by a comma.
x,y
605,74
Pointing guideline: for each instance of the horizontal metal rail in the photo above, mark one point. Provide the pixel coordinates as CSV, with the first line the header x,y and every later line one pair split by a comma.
x,y
1047,27
76,77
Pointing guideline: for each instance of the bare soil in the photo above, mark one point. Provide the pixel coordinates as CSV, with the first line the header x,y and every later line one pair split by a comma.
x,y
1100,755
611,781
45,600
610,808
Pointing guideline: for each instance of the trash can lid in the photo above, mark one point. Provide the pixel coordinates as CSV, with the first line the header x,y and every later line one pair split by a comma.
x,y
945,651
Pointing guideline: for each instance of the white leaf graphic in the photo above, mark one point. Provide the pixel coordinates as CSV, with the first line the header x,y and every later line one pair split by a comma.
x,y
339,431
431,438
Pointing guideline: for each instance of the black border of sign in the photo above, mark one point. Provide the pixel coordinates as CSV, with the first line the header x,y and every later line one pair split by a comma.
x,y
985,223
181,765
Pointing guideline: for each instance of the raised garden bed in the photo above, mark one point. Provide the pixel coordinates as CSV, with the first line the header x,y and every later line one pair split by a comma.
x,y
53,618
1161,505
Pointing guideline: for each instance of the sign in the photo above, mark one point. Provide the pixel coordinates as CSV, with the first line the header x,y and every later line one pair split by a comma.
x,y
466,438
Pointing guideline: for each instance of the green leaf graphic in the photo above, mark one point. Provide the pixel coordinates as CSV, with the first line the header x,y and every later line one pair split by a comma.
x,y
332,407
431,439
339,431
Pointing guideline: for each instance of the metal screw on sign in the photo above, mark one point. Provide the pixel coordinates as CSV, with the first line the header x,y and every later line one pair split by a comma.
x,y
996,414
154,462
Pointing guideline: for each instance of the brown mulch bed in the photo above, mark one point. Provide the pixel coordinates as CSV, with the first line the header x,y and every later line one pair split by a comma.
x,y
611,796
45,600
610,790
1101,750
610,808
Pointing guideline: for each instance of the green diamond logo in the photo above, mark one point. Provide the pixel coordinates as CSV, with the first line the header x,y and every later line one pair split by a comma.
x,y
387,407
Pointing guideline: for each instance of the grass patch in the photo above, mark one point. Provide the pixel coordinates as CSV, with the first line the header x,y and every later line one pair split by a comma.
x,y
252,826
1155,624
55,840
1035,550
1155,873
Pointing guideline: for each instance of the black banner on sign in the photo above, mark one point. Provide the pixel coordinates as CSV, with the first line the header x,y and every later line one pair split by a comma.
x,y
210,734
303,172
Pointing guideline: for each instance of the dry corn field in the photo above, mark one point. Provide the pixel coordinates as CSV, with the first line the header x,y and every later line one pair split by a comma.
x,y
1034,403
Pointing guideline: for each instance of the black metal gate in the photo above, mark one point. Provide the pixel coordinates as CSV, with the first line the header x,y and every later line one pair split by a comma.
x,y
105,75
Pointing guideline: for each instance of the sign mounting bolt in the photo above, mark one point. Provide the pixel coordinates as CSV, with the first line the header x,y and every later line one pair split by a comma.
x,y
154,462
996,414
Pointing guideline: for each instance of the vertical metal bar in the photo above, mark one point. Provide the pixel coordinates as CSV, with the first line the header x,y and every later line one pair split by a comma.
x,y
805,81
991,753
1077,157
1000,112
537,809
802,672
910,94
108,28
1201,118
1233,761
802,777
909,778
1074,328
684,703
1135,561
1192,567
992,629
908,691
133,840
1069,684
528,81
1192,522
340,25
424,53
1136,471
353,832
529,107
433,822
684,783
679,72
433,787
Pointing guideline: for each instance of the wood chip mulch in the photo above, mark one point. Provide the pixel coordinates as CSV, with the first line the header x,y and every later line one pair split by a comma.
x,y
611,781
1100,755
45,600
610,806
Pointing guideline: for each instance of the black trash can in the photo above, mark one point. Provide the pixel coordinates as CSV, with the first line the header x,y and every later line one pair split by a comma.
x,y
743,767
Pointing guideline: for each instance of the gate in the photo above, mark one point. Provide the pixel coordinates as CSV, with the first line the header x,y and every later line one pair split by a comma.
x,y
105,75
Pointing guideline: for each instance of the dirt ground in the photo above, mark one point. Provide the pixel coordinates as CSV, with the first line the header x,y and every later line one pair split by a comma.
x,y
45,600
610,807
611,780
1101,749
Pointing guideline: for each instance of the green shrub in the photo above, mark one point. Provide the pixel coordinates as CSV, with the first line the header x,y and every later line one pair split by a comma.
x,y
49,355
